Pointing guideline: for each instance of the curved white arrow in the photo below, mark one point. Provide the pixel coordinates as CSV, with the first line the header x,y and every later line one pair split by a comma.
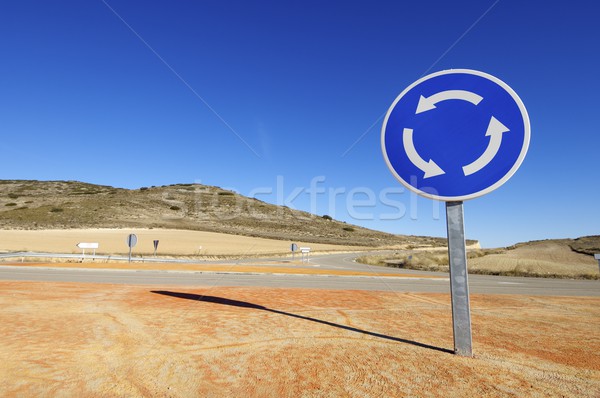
x,y
494,131
428,103
430,168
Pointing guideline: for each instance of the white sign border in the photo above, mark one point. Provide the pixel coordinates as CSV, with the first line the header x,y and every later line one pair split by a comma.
x,y
497,184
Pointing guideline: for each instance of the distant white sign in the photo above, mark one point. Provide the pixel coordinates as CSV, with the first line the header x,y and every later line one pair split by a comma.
x,y
305,253
87,245
84,245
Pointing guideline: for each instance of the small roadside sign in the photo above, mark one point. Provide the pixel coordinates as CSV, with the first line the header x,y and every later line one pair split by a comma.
x,y
305,253
131,242
87,245
155,246
84,245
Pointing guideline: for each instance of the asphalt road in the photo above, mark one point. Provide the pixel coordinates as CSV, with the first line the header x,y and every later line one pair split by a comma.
x,y
478,284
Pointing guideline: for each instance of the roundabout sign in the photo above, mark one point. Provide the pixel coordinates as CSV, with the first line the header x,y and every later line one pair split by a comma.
x,y
455,135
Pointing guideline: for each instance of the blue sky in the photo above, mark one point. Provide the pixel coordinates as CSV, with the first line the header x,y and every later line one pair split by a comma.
x,y
266,97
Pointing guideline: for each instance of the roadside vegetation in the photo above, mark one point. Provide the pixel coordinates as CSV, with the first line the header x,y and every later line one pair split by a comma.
x,y
435,260
542,259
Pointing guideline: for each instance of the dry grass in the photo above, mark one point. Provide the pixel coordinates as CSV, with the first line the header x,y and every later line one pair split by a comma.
x,y
543,259
426,260
552,259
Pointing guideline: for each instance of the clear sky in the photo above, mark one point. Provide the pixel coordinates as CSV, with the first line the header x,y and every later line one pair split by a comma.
x,y
269,97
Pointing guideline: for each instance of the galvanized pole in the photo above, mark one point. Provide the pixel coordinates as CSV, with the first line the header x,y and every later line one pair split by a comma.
x,y
459,284
597,257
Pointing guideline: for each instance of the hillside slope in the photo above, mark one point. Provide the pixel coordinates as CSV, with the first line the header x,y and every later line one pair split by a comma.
x,y
28,204
552,257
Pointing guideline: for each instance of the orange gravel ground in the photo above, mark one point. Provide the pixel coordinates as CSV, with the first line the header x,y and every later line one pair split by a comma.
x,y
68,339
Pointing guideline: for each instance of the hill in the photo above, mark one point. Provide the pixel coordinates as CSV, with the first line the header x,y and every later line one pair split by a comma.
x,y
26,204
562,258
557,258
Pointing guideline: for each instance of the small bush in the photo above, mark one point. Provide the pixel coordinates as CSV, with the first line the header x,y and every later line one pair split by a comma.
x,y
13,195
176,208
56,210
326,217
226,193
10,204
349,229
143,188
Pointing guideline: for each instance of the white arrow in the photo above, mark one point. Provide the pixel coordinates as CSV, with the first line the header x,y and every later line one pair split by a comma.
x,y
428,103
494,131
430,168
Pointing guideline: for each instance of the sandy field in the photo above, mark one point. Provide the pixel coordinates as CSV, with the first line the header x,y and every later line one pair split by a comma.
x,y
171,242
88,340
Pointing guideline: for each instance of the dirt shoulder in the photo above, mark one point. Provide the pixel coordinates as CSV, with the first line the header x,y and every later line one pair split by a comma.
x,y
67,339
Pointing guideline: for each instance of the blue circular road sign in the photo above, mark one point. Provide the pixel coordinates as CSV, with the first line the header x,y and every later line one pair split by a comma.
x,y
455,135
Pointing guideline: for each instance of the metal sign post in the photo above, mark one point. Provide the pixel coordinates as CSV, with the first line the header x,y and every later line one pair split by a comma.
x,y
597,257
293,248
131,242
456,135
459,284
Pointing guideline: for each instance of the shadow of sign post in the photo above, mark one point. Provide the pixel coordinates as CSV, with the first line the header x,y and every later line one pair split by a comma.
x,y
252,306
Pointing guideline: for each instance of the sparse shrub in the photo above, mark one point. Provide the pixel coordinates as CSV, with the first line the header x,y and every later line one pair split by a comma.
x,y
226,193
10,204
349,229
143,188
13,195
176,208
56,210
326,217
